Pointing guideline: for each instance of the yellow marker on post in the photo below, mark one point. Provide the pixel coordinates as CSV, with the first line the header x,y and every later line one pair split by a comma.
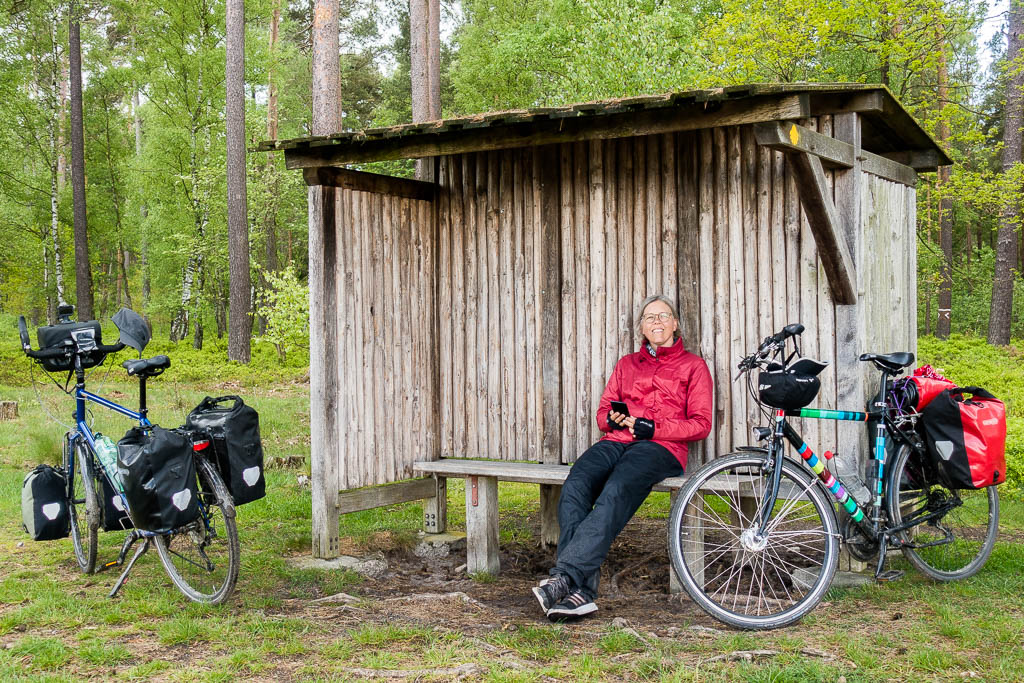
x,y
794,135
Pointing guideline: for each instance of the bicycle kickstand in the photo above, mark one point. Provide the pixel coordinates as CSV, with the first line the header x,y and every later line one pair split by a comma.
x,y
139,552
891,574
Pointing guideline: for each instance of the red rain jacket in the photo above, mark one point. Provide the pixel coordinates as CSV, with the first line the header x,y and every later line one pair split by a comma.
x,y
673,388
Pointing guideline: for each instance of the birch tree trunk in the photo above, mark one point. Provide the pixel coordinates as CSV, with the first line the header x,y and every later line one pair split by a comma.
x,y
944,324
143,210
1000,314
83,273
239,278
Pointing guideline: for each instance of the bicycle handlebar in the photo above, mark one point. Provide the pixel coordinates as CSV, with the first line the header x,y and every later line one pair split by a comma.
x,y
770,344
42,354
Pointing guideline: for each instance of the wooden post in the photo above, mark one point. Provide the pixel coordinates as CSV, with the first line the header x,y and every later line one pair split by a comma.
x,y
549,243
850,320
549,529
435,510
482,525
692,545
323,369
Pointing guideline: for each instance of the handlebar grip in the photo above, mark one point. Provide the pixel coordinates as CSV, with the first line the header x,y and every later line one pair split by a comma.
x,y
788,331
23,332
48,353
110,348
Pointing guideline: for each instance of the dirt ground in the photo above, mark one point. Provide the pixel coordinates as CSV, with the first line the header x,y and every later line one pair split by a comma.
x,y
634,585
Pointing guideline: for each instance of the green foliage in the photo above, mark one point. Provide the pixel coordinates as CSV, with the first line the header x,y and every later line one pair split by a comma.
x,y
286,311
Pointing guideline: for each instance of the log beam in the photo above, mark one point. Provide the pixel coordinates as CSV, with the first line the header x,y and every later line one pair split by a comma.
x,y
816,198
833,153
362,181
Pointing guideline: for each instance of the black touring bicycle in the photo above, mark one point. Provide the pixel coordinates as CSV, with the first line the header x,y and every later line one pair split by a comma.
x,y
755,536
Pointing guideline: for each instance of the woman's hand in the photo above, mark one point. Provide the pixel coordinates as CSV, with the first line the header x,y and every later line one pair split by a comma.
x,y
642,429
620,421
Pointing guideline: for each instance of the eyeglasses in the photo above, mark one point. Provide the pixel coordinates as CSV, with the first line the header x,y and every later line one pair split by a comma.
x,y
662,317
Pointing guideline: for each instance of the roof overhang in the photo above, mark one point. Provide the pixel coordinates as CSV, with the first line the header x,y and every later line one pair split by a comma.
x,y
887,130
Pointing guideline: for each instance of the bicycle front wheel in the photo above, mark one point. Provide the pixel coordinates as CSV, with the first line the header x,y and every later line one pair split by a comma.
x,y
956,544
83,503
732,573
202,557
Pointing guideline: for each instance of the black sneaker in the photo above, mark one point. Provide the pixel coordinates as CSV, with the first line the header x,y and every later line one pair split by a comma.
x,y
551,590
574,606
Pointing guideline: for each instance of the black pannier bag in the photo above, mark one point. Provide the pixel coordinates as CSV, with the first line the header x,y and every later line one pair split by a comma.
x,y
44,509
114,515
158,471
57,336
234,431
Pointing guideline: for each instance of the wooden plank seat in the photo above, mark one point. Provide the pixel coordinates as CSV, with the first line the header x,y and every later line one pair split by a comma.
x,y
482,477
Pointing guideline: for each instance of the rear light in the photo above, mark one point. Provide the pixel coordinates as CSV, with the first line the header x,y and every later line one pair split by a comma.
x,y
200,445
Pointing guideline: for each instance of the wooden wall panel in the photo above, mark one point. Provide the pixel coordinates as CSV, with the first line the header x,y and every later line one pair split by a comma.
x,y
388,338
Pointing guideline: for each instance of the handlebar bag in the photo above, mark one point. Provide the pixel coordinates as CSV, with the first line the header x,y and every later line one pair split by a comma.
x,y
158,471
786,389
967,437
44,509
63,335
234,431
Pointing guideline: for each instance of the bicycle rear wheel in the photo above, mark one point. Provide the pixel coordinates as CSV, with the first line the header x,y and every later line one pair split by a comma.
x,y
732,574
202,557
964,536
83,503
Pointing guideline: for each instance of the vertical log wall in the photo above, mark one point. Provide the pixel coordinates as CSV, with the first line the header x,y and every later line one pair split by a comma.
x,y
442,308
384,386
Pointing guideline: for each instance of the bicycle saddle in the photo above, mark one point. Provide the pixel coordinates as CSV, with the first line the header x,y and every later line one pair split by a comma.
x,y
890,362
147,367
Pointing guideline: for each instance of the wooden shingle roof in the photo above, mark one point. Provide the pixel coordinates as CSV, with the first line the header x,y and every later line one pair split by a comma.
x,y
887,128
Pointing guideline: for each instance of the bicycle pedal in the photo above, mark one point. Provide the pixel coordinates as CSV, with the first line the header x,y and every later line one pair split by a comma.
x,y
890,575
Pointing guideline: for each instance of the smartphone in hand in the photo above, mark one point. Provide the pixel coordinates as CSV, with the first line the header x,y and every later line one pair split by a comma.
x,y
620,407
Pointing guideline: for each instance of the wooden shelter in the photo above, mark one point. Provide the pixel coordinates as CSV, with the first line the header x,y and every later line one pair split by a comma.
x,y
478,315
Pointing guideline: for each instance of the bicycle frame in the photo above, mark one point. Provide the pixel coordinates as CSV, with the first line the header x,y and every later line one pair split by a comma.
x,y
82,430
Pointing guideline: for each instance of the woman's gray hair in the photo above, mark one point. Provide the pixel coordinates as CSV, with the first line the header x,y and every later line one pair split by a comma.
x,y
640,315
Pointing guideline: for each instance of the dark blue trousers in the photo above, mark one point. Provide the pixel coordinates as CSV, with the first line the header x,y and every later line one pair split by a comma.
x,y
605,487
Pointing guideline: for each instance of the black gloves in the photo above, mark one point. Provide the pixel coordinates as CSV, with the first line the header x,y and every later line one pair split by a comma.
x,y
612,423
643,429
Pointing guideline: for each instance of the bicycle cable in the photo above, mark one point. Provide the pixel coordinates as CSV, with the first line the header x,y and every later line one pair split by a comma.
x,y
39,399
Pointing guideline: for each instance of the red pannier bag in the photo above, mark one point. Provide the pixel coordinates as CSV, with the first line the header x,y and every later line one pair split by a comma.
x,y
967,437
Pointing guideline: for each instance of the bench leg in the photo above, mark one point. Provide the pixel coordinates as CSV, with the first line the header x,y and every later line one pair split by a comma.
x,y
435,510
549,529
482,525
692,544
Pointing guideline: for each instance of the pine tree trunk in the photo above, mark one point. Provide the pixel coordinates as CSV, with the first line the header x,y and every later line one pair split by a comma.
x,y
944,325
83,273
425,64
240,282
1001,312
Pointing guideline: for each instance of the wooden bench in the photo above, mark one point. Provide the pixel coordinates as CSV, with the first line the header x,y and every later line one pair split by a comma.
x,y
482,477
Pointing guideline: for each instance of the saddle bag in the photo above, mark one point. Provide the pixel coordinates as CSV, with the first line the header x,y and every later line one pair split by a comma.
x,y
967,437
44,510
158,472
234,431
920,389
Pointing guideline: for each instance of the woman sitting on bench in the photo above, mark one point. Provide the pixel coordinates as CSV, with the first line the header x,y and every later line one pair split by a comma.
x,y
667,394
